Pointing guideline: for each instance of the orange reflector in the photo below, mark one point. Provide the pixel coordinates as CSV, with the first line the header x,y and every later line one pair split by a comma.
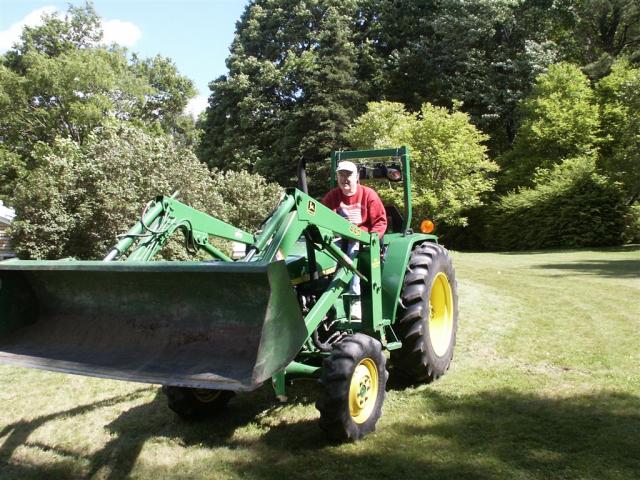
x,y
427,226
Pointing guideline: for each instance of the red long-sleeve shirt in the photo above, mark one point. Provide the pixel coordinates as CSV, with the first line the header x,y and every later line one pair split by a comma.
x,y
365,208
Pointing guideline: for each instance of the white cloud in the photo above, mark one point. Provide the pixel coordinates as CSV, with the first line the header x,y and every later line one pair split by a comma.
x,y
114,31
12,34
197,105
120,32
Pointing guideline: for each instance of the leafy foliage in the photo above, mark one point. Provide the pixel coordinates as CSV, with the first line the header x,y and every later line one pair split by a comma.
x,y
68,96
290,90
78,198
248,197
79,29
485,54
57,82
619,97
450,166
600,32
573,145
570,205
300,71
168,94
560,120
632,223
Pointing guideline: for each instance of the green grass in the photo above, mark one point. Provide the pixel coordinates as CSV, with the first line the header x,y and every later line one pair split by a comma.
x,y
545,384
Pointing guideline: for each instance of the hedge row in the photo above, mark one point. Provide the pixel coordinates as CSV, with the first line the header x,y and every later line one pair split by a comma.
x,y
570,206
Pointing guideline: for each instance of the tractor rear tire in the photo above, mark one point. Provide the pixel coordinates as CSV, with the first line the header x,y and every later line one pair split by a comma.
x,y
427,318
354,378
196,403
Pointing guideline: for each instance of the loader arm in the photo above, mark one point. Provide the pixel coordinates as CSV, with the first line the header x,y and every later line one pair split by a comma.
x,y
162,218
224,324
300,215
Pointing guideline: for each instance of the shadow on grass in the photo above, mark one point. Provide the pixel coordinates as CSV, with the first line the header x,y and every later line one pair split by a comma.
x,y
17,434
606,268
502,434
581,436
133,428
130,431
619,249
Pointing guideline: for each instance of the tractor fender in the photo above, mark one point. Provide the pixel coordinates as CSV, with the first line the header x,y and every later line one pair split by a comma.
x,y
396,259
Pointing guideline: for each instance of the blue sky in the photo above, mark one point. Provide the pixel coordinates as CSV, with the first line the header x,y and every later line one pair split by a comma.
x,y
195,34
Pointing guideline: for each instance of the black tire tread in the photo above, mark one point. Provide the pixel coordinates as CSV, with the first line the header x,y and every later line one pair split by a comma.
x,y
184,402
414,361
335,380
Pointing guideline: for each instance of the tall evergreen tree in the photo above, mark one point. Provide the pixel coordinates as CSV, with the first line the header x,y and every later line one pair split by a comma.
x,y
332,97
291,88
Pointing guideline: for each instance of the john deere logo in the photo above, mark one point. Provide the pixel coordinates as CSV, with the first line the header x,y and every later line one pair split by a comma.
x,y
311,208
355,230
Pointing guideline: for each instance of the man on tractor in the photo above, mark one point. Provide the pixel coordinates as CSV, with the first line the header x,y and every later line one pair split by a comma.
x,y
362,206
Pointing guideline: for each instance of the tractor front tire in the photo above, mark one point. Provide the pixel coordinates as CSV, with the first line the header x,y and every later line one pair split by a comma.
x,y
354,378
196,403
427,318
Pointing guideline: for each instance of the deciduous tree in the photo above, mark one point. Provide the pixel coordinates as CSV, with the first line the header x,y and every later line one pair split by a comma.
x,y
58,82
79,197
560,120
450,167
619,97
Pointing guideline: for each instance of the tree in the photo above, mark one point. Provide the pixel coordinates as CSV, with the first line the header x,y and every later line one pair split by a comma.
x,y
299,71
331,97
79,197
559,120
56,82
619,98
484,54
290,91
80,28
450,167
601,32
248,197
169,93
68,96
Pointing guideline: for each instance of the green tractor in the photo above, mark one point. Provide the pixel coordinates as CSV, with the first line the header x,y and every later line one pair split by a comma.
x,y
207,329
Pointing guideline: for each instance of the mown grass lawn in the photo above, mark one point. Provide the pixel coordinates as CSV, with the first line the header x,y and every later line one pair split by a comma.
x,y
545,384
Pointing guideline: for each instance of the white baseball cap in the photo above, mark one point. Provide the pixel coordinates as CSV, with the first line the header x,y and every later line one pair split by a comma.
x,y
347,167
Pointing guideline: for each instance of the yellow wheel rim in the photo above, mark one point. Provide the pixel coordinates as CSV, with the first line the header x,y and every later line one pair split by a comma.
x,y
363,391
440,314
206,395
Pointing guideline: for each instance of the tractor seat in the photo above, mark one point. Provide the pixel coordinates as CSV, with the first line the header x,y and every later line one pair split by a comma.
x,y
394,219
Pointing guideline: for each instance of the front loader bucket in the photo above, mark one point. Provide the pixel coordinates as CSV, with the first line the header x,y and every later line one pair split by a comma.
x,y
216,325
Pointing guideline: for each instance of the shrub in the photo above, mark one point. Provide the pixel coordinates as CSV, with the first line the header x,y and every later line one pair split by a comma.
x,y
570,205
632,222
78,198
248,198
